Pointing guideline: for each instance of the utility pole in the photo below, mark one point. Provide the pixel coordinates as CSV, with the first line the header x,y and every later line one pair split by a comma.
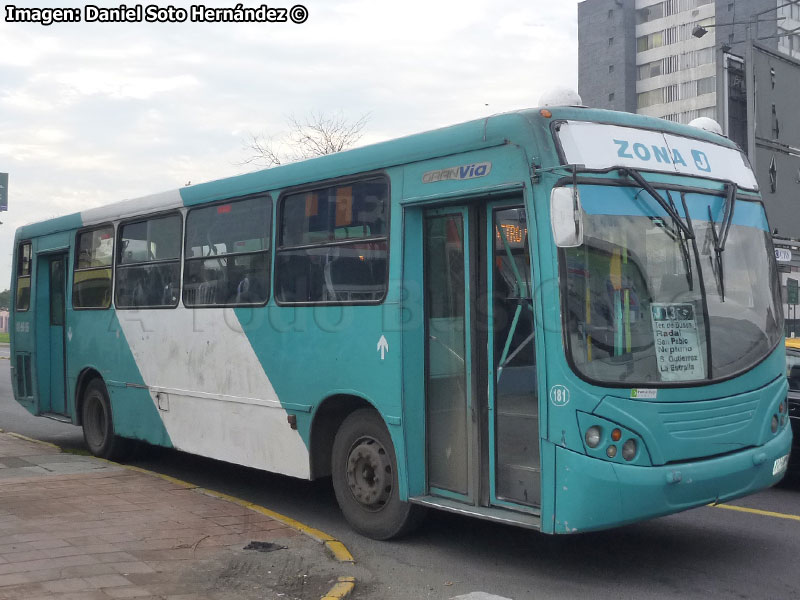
x,y
3,193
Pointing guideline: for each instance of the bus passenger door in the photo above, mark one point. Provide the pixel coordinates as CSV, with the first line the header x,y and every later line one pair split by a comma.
x,y
513,399
481,401
50,314
448,370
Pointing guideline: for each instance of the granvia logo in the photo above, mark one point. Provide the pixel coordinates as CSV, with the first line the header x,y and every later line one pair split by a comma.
x,y
481,169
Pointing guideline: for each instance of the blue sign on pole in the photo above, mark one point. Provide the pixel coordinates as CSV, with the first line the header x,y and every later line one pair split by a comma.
x,y
3,191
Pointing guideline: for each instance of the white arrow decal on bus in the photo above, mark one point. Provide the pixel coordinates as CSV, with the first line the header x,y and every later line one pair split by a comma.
x,y
383,346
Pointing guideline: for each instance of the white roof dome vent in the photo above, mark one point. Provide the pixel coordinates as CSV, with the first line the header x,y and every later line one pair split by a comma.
x,y
707,124
561,97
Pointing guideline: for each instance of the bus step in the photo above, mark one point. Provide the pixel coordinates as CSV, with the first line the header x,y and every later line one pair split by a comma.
x,y
486,513
58,417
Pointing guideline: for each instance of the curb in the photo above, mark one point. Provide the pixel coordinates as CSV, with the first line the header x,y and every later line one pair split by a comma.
x,y
341,589
334,546
19,436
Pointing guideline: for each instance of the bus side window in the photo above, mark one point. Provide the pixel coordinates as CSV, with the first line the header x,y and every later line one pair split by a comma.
x,y
149,263
333,244
227,253
23,299
91,281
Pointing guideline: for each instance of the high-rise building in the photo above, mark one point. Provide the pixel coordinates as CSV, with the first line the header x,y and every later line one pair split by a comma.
x,y
644,55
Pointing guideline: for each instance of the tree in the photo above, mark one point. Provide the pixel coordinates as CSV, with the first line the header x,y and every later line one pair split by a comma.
x,y
5,299
317,134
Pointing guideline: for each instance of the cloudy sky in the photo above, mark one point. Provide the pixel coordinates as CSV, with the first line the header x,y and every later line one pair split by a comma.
x,y
92,113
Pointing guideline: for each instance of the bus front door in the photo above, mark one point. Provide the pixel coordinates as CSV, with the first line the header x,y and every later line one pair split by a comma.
x,y
481,401
50,314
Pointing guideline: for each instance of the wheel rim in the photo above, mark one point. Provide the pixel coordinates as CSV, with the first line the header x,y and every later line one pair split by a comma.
x,y
95,422
369,473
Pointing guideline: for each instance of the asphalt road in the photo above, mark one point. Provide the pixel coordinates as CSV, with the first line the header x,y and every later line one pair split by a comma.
x,y
708,552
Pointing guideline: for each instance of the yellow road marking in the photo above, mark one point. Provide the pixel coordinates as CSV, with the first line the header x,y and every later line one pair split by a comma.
x,y
756,511
316,534
342,589
339,551
19,436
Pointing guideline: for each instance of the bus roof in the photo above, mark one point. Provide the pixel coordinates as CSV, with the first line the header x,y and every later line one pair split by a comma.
x,y
495,130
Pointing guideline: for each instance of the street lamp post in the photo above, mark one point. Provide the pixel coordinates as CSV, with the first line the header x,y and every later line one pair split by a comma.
x,y
700,30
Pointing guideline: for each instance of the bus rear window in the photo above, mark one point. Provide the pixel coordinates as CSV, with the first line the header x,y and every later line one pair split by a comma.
x,y
91,281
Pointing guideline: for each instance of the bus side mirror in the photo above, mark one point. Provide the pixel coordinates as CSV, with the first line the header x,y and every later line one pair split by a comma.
x,y
566,217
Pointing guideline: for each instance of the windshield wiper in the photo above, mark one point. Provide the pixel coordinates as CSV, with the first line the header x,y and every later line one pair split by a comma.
x,y
702,285
722,237
684,233
675,234
684,242
670,210
727,218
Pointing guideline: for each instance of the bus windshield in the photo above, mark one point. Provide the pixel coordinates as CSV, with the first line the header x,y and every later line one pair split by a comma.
x,y
651,297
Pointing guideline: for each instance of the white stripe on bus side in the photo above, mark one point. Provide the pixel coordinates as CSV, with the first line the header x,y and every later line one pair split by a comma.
x,y
205,351
136,206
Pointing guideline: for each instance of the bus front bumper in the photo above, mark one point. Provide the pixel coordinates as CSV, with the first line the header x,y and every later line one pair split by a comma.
x,y
596,494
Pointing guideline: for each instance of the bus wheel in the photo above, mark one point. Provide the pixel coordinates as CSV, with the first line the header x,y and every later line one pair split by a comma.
x,y
364,471
98,425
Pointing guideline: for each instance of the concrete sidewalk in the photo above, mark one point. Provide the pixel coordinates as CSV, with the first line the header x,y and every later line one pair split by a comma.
x,y
75,527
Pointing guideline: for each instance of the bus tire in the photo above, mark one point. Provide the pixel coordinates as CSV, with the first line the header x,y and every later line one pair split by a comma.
x,y
364,472
98,424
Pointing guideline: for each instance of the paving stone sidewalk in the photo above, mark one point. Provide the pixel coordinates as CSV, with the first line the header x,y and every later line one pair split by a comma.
x,y
73,527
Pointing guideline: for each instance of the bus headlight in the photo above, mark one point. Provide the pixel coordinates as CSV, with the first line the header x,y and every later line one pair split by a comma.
x,y
607,440
774,423
629,450
593,435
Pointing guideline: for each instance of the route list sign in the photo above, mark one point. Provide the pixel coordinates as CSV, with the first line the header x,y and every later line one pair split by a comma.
x,y
677,345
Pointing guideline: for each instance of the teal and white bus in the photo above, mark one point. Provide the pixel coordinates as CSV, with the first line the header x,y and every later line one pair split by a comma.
x,y
562,318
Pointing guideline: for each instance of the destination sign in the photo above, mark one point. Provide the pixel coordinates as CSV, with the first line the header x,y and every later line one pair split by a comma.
x,y
678,351
599,146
